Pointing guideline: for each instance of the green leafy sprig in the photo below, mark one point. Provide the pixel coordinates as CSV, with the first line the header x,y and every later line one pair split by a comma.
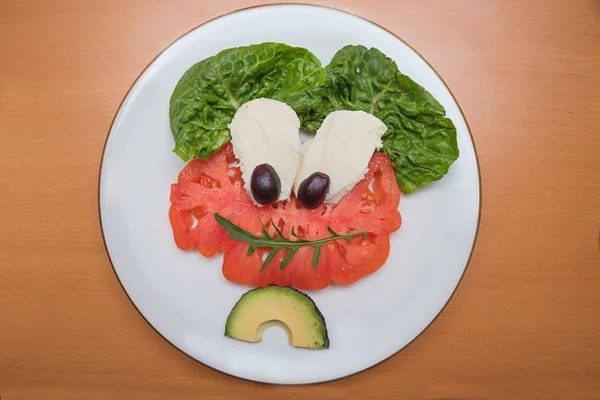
x,y
281,243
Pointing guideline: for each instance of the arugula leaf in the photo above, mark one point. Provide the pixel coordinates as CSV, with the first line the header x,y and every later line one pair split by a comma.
x,y
281,243
210,92
420,141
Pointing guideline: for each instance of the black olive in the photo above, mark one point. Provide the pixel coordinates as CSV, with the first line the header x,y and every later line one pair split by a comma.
x,y
312,190
265,184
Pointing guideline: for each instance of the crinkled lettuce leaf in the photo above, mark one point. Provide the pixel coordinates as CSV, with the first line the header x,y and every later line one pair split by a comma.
x,y
420,141
210,92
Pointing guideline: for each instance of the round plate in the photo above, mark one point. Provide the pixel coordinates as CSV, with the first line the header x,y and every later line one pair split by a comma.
x,y
185,297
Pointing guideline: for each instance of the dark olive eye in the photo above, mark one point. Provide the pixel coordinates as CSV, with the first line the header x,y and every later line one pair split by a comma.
x,y
312,190
265,184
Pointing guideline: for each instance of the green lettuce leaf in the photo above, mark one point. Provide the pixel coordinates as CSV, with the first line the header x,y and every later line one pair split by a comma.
x,y
420,141
210,92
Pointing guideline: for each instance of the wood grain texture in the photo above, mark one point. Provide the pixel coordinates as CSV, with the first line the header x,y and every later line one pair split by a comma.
x,y
525,322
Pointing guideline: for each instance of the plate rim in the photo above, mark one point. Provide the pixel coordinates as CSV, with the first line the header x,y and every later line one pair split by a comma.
x,y
285,4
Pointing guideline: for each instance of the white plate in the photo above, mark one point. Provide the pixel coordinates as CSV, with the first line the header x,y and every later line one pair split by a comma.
x,y
184,295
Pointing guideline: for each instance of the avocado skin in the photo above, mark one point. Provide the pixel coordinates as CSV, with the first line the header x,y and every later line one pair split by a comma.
x,y
229,321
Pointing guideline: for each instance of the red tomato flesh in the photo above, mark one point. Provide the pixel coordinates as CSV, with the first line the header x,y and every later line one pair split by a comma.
x,y
206,187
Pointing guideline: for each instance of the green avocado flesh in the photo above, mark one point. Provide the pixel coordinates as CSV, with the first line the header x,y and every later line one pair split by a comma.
x,y
261,308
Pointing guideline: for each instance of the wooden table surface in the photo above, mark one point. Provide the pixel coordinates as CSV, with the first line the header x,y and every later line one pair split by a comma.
x,y
525,322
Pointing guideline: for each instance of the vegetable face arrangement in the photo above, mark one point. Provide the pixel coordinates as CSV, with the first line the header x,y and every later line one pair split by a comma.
x,y
290,214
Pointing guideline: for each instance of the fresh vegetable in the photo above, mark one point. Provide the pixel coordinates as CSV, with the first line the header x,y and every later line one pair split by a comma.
x,y
259,309
420,141
209,93
280,242
207,187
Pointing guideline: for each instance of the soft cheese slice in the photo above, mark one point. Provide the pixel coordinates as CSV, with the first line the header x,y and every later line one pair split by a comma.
x,y
341,149
267,131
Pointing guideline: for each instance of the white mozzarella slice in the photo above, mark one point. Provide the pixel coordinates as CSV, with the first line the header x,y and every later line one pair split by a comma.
x,y
341,148
265,131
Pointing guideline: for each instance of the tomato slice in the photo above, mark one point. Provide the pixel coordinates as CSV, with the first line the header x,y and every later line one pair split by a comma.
x,y
206,187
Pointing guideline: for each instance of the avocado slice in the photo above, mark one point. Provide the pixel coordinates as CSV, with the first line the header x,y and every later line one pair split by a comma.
x,y
261,308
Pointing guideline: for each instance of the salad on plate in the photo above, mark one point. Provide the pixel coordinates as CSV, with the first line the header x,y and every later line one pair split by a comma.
x,y
289,214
